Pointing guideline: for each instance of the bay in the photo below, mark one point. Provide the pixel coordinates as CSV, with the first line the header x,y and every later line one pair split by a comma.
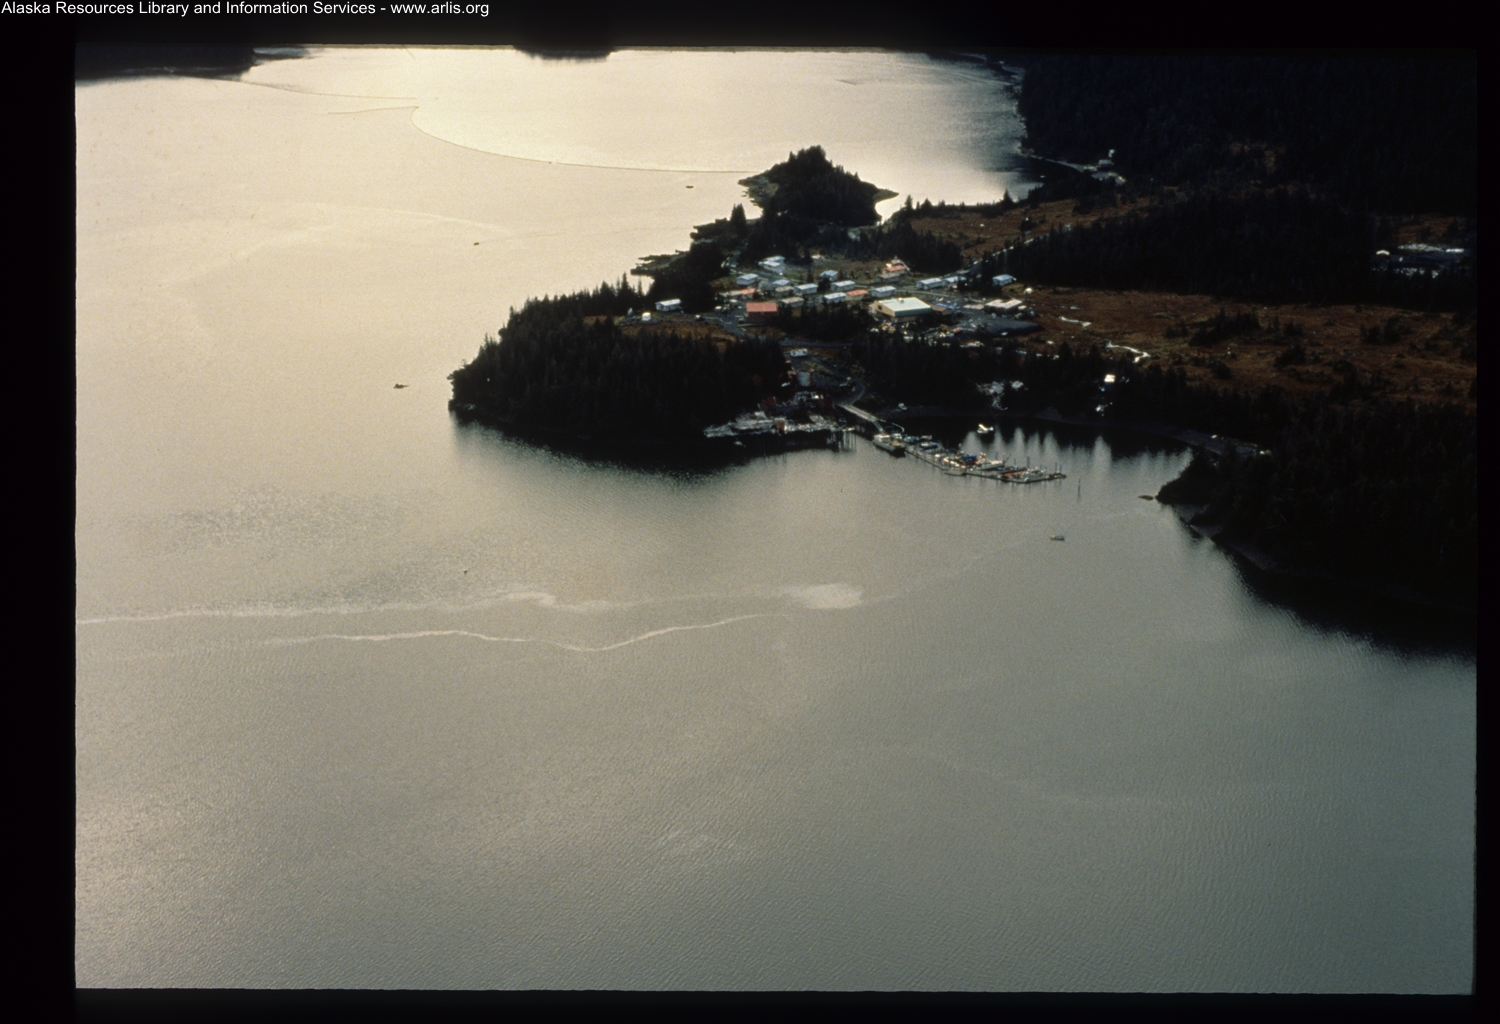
x,y
367,698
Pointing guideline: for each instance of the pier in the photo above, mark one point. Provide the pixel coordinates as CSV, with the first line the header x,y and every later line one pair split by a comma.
x,y
957,463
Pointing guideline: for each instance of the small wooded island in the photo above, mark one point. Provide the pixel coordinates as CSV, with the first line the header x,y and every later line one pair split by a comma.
x,y
1327,345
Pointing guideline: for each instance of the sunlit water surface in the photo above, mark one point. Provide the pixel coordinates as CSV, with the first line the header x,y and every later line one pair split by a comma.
x,y
369,699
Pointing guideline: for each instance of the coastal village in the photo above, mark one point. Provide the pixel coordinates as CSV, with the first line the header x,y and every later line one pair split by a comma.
x,y
820,409
972,313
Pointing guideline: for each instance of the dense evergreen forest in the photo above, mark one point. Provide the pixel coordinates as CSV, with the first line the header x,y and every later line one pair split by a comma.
x,y
564,363
1287,172
809,186
1385,491
1281,245
1387,133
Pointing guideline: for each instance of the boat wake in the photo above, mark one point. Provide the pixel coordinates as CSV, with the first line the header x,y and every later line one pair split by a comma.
x,y
469,634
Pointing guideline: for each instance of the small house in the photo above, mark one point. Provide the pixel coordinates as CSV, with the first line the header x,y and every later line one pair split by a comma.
x,y
807,289
669,306
745,279
833,297
1001,280
842,286
1003,305
829,275
883,292
930,283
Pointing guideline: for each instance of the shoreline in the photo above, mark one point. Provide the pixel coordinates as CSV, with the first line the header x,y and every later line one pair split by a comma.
x,y
726,451
1245,551
1249,553
739,450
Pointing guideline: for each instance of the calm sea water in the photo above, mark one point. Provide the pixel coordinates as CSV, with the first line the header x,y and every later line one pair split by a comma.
x,y
366,698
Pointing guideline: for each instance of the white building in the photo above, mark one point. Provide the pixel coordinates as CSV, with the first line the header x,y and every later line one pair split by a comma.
x,y
930,283
882,293
829,275
745,279
842,286
775,264
832,297
807,289
1002,280
669,306
902,309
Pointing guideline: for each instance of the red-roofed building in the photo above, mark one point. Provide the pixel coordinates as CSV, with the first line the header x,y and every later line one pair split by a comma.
x,y
760,312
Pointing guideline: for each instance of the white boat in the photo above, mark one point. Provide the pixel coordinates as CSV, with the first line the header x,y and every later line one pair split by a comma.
x,y
890,443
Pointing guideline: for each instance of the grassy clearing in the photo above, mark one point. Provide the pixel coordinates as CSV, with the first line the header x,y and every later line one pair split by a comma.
x,y
1428,357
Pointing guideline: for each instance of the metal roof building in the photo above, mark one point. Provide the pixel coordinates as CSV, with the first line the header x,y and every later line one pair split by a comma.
x,y
902,309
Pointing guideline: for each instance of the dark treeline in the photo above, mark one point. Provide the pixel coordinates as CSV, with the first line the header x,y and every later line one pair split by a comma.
x,y
690,276
1386,492
1388,133
921,374
923,251
809,186
839,323
943,211
796,237
1087,191
550,367
1280,246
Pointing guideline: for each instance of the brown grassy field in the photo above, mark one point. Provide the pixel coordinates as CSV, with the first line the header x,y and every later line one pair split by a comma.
x,y
1431,358
978,234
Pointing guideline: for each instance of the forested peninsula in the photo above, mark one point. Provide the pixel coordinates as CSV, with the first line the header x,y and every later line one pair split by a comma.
x,y
1189,263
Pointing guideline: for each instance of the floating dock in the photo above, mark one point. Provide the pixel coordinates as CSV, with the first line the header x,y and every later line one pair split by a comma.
x,y
956,463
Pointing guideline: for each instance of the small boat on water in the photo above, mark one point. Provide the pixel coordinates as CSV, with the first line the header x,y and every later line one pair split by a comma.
x,y
1058,536
890,443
